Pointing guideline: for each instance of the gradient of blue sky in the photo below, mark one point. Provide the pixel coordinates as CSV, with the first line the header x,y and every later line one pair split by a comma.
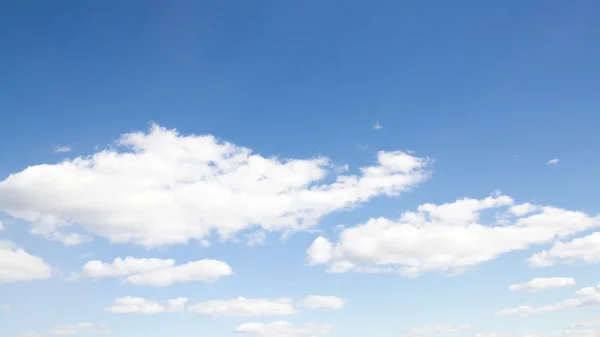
x,y
490,91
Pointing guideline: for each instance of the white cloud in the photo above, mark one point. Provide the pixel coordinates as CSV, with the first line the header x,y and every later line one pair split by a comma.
x,y
377,126
70,329
80,328
588,296
448,237
541,283
2,226
586,249
497,334
428,330
158,272
553,161
62,149
5,307
160,188
138,305
17,265
245,307
322,302
282,329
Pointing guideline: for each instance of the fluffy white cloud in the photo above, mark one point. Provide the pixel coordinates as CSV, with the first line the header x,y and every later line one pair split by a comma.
x,y
18,265
282,329
245,307
138,305
448,237
158,272
80,328
160,188
541,283
586,249
553,161
428,330
322,302
588,296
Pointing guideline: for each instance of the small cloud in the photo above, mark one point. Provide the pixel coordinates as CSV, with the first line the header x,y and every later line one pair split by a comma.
x,y
552,161
2,226
5,307
362,147
377,126
62,149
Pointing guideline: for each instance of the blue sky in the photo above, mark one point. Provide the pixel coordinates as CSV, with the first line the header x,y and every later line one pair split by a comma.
x,y
126,130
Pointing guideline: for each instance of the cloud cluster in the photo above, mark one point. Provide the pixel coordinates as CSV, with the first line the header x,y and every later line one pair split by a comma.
x,y
238,307
158,272
18,265
160,188
543,284
448,237
588,296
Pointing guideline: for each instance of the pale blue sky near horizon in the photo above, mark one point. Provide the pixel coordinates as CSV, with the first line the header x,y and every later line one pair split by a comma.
x,y
491,91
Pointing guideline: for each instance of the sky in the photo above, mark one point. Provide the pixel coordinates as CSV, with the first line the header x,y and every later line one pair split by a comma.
x,y
299,168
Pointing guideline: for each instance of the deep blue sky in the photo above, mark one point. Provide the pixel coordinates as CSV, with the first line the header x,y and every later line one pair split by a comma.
x,y
490,90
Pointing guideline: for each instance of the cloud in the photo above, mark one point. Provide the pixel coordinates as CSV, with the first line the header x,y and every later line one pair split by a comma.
x,y
245,307
553,161
2,226
160,187
70,329
586,249
377,126
588,296
282,329
5,307
543,284
62,149
447,238
17,265
138,305
80,328
322,302
428,330
158,272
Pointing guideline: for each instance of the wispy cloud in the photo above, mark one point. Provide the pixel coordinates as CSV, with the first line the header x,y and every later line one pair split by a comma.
x,y
62,149
552,161
377,126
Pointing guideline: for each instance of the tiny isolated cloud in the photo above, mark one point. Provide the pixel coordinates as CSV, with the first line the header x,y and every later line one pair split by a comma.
x,y
2,226
139,305
282,329
553,161
322,302
79,329
377,126
543,283
428,330
62,149
245,307
5,307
